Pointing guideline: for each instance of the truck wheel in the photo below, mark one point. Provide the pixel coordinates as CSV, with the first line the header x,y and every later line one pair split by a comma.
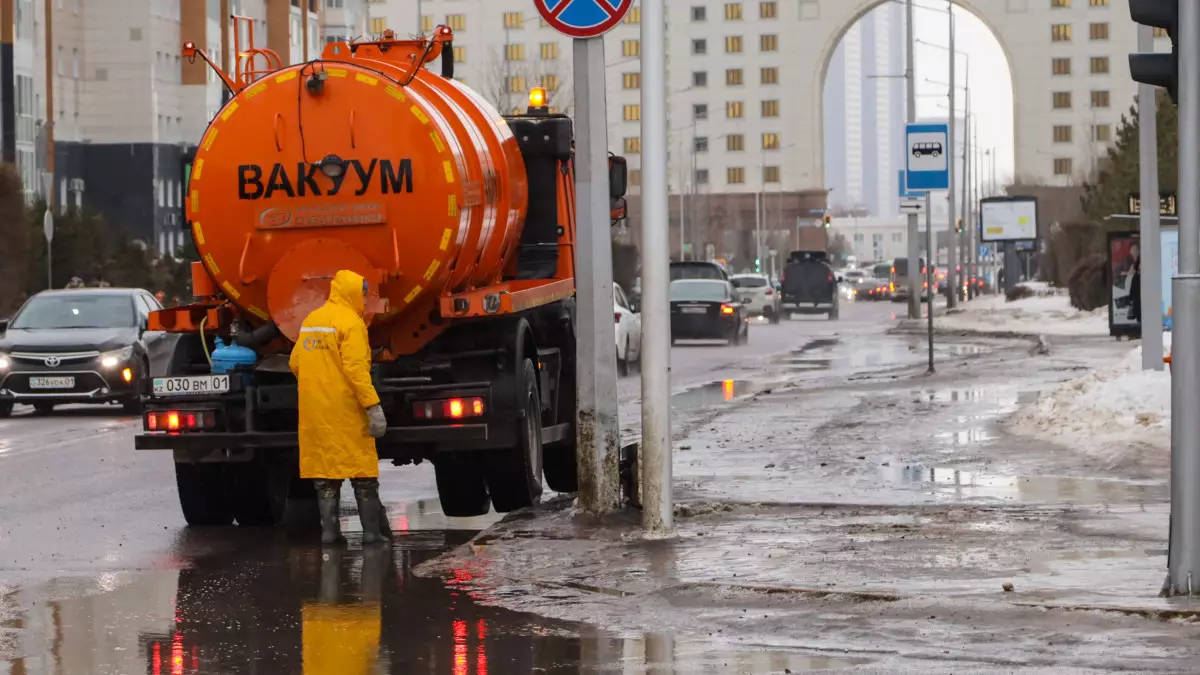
x,y
202,494
514,475
460,484
260,492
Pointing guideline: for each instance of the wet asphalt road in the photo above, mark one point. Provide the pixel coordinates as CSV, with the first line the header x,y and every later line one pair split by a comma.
x,y
99,575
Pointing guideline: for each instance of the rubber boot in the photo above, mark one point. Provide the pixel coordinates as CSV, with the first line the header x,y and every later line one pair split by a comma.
x,y
370,510
329,497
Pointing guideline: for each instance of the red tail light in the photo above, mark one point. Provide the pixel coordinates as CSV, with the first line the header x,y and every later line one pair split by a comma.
x,y
770,291
831,276
727,309
450,408
616,317
179,420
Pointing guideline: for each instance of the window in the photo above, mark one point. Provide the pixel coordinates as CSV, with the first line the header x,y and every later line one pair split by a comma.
x,y
735,143
733,77
634,15
378,25
733,109
700,78
1062,100
770,174
1102,133
768,43
1098,31
1063,166
514,52
700,111
770,141
635,177
700,144
457,22
1062,133
632,113
548,82
426,24
1060,32
733,11
60,66
699,14
1099,98
1060,4
460,54
733,44
514,20
768,75
631,48
633,145
75,63
1099,65
768,10
735,175
770,108
701,177
631,81
1099,3
897,237
549,51
700,46
1060,66
516,84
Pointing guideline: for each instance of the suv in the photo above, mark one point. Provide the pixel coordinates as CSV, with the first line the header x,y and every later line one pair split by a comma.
x,y
810,285
758,295
81,345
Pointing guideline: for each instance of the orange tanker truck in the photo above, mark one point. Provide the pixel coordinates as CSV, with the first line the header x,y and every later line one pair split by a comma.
x,y
461,220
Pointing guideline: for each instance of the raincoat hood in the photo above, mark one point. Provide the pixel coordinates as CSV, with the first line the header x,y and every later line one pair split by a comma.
x,y
347,290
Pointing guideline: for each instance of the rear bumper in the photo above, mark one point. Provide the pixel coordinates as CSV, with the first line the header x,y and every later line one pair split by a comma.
x,y
705,329
261,440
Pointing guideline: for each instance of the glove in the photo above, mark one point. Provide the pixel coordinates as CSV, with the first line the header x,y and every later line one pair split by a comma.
x,y
376,422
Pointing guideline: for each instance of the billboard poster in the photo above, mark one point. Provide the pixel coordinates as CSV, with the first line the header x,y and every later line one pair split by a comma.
x,y
1124,309
1170,257
1007,219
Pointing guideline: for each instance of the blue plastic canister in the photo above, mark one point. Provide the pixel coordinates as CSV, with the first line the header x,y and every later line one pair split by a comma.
x,y
227,357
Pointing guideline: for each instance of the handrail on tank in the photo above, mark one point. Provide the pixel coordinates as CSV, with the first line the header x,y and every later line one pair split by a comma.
x,y
420,50
244,73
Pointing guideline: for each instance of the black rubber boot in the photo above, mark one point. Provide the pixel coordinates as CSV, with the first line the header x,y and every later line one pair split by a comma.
x,y
370,509
329,497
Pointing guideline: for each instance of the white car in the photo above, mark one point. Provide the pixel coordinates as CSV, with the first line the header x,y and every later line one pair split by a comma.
x,y
628,327
758,295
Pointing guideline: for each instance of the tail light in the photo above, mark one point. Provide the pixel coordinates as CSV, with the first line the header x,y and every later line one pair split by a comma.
x,y
450,408
616,317
180,420
727,309
831,276
770,291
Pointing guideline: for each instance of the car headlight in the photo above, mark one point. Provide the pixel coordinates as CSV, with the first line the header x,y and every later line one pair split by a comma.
x,y
115,358
5,362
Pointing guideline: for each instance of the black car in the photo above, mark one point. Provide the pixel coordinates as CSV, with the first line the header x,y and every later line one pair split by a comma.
x,y
809,285
84,345
705,309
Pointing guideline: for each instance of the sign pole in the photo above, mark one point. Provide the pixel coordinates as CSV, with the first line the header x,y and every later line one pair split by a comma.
x,y
1150,239
929,270
597,430
657,504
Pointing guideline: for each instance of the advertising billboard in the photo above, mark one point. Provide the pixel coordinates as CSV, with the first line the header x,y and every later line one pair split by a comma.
x,y
1124,260
1008,218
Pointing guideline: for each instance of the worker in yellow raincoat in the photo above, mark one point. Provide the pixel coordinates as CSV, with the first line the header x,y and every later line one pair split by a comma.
x,y
340,415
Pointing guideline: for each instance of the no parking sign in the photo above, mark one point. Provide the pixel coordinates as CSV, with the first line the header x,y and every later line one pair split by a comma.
x,y
582,19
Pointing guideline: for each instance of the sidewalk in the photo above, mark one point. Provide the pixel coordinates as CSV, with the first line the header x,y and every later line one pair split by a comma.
x,y
1049,314
882,517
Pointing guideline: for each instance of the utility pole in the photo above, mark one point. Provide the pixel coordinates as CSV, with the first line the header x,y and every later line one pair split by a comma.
x,y
952,229
1150,238
964,238
50,84
914,247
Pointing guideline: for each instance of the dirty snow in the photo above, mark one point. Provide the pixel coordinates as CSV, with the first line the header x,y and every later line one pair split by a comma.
x,y
1119,412
1048,313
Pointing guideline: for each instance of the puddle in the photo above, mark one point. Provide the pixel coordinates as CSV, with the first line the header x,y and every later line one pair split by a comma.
x,y
834,355
722,391
1041,489
664,655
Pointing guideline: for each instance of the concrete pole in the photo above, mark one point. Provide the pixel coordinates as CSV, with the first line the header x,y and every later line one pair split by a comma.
x,y
597,431
952,240
1150,240
657,504
914,247
51,83
964,240
1183,560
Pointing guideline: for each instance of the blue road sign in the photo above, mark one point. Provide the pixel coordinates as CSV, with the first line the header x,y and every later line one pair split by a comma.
x,y
904,193
985,251
927,153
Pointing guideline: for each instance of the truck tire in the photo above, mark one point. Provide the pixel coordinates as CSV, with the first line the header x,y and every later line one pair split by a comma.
x,y
203,494
460,484
260,492
514,475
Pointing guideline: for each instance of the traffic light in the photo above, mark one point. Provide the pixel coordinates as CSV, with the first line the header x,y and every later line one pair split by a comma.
x,y
1158,70
757,266
958,228
827,221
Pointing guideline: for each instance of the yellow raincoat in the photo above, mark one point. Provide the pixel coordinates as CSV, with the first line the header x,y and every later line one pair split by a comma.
x,y
332,361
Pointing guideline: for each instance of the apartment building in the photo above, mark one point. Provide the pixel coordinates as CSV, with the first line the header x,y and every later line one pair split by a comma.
x,y
104,84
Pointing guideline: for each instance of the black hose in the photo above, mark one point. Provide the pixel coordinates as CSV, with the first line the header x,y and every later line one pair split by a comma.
x,y
257,337
448,60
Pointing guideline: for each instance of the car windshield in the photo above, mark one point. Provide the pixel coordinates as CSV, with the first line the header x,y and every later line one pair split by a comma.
x,y
48,312
689,291
748,282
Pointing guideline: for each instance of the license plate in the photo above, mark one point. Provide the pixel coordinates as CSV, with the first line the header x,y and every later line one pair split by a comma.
x,y
191,385
51,383
694,310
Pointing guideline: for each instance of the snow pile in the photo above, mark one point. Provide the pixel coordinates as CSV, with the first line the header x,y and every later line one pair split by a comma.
x,y
1047,313
1111,412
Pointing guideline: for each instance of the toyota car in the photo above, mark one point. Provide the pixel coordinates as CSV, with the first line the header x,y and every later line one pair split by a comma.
x,y
83,345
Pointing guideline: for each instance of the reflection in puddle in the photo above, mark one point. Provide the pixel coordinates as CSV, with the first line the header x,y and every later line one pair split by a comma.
x,y
712,393
1052,489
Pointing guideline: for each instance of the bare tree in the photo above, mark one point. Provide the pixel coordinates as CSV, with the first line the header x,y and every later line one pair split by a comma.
x,y
506,83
